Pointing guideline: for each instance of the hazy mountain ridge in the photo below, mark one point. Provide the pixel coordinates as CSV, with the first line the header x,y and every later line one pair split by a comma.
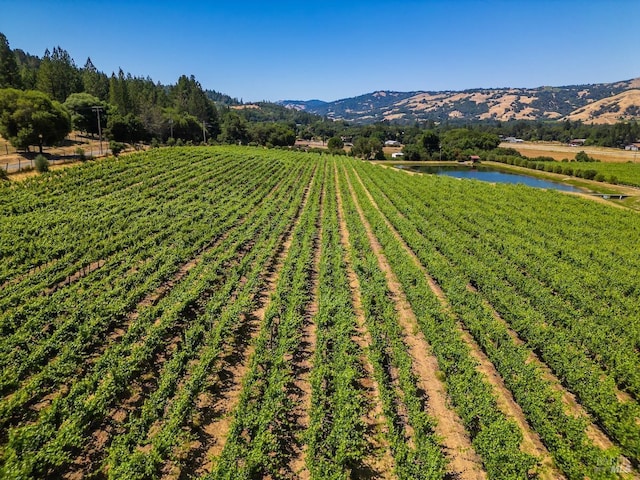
x,y
593,103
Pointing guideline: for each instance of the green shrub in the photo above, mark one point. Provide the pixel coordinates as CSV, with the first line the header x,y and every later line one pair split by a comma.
x,y
116,147
581,156
80,153
335,143
41,164
508,151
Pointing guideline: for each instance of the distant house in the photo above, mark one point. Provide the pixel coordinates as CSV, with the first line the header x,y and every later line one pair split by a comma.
x,y
634,147
513,140
392,143
577,142
397,155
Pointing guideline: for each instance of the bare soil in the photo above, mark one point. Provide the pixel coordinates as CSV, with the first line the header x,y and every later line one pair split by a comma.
x,y
531,441
217,406
140,389
379,463
572,407
81,273
300,394
463,460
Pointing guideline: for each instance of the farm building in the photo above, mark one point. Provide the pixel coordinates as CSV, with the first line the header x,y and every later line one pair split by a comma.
x,y
392,143
634,147
397,155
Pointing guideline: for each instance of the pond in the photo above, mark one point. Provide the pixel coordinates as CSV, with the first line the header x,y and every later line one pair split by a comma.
x,y
488,174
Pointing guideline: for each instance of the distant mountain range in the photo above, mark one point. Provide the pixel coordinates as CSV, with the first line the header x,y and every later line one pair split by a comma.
x,y
597,103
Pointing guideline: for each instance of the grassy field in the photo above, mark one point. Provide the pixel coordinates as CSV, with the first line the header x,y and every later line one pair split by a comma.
x,y
236,312
560,151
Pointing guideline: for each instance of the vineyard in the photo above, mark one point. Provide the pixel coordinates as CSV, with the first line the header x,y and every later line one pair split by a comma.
x,y
238,313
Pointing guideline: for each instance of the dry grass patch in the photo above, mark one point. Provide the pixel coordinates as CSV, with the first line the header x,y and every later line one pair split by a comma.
x,y
559,151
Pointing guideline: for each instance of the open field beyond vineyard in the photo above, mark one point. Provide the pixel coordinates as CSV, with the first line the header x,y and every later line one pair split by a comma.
x,y
230,313
560,151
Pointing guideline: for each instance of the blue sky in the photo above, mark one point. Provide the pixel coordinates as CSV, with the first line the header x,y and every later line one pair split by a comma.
x,y
274,49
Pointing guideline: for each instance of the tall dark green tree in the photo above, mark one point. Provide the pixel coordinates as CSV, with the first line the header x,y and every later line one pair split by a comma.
x,y
58,75
125,128
274,134
28,67
335,143
119,93
93,82
430,141
9,73
234,128
188,97
368,148
465,139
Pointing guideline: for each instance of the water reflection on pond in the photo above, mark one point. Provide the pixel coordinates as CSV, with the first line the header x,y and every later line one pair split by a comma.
x,y
488,174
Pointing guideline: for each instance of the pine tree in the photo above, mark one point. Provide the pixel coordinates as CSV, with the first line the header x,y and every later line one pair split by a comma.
x,y
58,75
119,93
9,73
94,82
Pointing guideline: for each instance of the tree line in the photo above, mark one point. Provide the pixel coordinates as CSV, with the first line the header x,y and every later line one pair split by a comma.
x,y
457,140
43,98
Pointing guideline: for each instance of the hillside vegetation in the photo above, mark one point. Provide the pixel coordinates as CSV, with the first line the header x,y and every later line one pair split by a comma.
x,y
596,103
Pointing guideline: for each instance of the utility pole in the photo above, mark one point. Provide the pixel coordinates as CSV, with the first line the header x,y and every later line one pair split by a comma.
x,y
204,133
97,109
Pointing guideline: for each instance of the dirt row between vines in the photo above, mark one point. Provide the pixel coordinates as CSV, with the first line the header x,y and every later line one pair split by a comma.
x,y
301,361
464,462
571,405
117,331
90,457
380,461
393,374
216,406
531,441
